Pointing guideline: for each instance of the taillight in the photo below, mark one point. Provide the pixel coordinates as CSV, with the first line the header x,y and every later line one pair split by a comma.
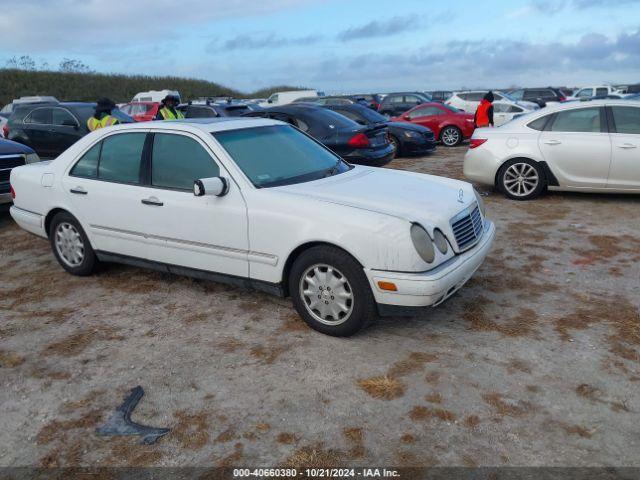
x,y
5,130
476,142
13,192
562,99
359,140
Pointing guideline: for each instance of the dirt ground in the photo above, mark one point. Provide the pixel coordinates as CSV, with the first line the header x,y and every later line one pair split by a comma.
x,y
535,362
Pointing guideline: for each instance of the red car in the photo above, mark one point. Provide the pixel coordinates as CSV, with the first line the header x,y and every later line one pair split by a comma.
x,y
450,125
141,111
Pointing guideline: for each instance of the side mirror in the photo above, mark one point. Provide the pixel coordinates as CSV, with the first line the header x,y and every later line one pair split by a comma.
x,y
214,186
269,101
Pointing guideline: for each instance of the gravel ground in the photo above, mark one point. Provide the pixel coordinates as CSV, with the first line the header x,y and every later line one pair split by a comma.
x,y
535,362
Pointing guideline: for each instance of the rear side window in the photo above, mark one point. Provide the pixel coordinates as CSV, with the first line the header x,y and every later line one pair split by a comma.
x,y
178,160
475,96
578,120
60,116
120,158
627,120
600,92
539,123
40,116
87,166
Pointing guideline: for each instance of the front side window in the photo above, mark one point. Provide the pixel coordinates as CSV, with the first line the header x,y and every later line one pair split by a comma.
x,y
120,158
585,92
396,99
39,116
601,92
627,120
578,120
177,161
279,155
475,96
425,112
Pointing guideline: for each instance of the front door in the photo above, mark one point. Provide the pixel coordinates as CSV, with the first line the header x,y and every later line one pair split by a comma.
x,y
625,144
205,233
65,130
578,147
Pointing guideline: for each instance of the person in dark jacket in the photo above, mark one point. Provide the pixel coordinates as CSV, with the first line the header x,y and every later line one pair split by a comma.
x,y
167,110
102,115
484,112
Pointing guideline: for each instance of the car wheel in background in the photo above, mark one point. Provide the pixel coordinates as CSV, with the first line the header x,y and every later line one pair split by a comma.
x,y
521,179
451,136
396,144
71,246
331,292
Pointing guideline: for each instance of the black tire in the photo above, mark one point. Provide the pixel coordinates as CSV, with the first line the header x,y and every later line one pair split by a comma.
x,y
448,134
65,223
508,172
396,143
362,306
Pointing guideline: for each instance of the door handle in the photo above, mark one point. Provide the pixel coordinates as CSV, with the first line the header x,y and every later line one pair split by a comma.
x,y
78,191
152,201
553,142
627,145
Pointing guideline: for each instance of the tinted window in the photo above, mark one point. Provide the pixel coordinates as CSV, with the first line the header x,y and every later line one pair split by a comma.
x,y
236,110
87,166
413,99
200,112
39,115
396,99
578,120
627,119
352,115
120,158
539,123
517,95
60,116
585,92
278,155
178,160
601,92
475,96
328,117
425,112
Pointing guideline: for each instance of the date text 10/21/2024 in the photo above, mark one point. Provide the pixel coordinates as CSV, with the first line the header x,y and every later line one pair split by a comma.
x,y
317,473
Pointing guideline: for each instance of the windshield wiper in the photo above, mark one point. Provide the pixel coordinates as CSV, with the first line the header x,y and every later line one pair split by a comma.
x,y
333,170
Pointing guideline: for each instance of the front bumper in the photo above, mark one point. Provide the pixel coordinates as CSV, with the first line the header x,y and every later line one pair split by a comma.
x,y
419,147
416,290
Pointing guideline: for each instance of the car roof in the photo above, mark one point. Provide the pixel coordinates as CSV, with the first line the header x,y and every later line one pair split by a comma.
x,y
208,125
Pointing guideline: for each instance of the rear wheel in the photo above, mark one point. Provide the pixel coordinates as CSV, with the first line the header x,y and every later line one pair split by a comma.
x,y
71,246
451,136
522,179
331,292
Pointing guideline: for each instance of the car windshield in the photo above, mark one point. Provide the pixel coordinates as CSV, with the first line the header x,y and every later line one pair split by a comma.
x,y
451,107
279,155
508,96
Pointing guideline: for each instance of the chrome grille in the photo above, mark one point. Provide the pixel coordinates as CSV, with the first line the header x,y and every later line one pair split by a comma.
x,y
467,227
7,162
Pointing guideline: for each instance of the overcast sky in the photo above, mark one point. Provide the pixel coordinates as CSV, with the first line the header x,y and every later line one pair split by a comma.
x,y
337,45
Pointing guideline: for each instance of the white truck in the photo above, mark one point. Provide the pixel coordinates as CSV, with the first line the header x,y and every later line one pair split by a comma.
x,y
155,95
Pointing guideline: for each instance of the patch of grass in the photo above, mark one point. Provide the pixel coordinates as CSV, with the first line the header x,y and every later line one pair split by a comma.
x,y
420,413
383,387
472,421
355,437
226,436
315,456
286,438
505,408
56,428
414,363
408,438
433,398
268,353
10,360
192,430
76,343
579,430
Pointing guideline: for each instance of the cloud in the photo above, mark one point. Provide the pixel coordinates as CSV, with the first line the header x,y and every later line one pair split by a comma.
x,y
82,26
549,7
382,28
258,41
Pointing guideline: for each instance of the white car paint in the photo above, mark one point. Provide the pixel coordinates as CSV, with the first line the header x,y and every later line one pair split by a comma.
x,y
505,111
580,161
468,101
251,232
154,95
593,91
284,98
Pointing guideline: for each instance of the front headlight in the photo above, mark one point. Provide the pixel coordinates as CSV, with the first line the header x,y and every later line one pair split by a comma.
x,y
32,158
411,134
422,243
480,201
441,241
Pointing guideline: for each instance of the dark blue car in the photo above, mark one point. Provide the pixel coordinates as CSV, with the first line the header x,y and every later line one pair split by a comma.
x,y
12,154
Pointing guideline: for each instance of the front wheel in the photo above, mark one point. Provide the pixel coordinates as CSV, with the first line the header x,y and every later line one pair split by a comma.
x,y
396,145
71,246
451,136
522,179
331,292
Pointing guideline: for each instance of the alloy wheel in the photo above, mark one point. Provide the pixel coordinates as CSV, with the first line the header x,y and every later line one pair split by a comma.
x,y
69,244
450,137
520,179
327,294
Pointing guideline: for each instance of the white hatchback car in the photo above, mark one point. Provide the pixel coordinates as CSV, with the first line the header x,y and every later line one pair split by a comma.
x,y
586,146
257,203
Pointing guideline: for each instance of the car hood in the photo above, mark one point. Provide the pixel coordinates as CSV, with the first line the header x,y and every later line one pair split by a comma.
x,y
8,147
427,199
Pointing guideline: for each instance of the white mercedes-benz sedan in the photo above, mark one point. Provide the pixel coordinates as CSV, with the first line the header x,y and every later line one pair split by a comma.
x,y
257,203
588,146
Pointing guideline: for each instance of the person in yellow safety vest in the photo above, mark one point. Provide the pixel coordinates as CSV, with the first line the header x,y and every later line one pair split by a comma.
x,y
102,116
167,110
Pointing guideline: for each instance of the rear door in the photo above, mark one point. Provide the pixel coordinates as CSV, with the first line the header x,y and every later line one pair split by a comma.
x,y
576,144
625,140
36,126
